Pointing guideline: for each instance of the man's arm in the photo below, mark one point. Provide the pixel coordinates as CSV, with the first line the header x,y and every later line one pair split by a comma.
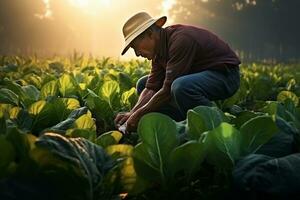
x,y
144,98
157,100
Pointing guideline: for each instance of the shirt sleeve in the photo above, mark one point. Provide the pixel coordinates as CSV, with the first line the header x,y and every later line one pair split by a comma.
x,y
181,56
156,77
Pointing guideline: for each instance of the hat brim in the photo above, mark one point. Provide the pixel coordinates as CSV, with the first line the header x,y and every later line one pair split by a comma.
x,y
159,22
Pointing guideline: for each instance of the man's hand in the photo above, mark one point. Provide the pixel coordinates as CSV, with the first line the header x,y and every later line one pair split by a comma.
x,y
121,118
133,120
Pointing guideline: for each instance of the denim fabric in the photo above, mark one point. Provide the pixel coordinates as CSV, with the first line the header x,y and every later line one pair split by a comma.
x,y
197,89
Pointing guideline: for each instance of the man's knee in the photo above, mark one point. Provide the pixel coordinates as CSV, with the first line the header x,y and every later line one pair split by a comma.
x,y
185,93
141,84
178,87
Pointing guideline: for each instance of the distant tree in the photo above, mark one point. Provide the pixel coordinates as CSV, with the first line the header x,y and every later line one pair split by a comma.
x,y
261,28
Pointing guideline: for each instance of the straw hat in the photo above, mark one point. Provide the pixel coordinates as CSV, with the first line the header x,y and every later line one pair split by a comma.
x,y
137,24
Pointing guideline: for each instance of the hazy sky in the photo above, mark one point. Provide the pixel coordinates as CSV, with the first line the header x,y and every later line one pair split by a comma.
x,y
90,26
257,28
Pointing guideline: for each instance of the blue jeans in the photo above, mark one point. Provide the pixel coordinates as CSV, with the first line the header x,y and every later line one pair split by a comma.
x,y
197,89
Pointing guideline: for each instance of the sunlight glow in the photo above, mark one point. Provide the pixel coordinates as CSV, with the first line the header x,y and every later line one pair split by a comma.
x,y
48,12
90,4
167,5
91,23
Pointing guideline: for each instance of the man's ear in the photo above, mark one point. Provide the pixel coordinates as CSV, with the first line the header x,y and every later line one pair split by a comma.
x,y
150,33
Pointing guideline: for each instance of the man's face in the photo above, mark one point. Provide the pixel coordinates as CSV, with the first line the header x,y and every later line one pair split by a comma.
x,y
144,46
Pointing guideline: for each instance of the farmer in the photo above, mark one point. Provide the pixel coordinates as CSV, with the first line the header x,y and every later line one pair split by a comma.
x,y
191,66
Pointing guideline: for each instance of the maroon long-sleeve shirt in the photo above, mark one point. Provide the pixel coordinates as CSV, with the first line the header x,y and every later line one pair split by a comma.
x,y
185,50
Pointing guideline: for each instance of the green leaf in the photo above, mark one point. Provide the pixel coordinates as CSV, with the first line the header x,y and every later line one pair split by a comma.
x,y
7,155
125,81
243,117
158,134
126,174
84,133
43,115
24,121
33,79
109,91
109,138
145,164
76,167
3,126
49,89
256,132
31,92
16,88
21,143
283,95
67,85
129,98
8,97
100,108
13,112
27,94
222,145
187,157
36,107
68,123
271,107
203,118
85,122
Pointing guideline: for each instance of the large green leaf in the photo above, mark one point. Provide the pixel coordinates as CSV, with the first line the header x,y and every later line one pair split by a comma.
x,y
84,127
127,177
100,106
203,118
43,116
27,94
187,157
36,107
76,168
222,145
125,81
256,132
85,122
23,120
101,110
64,106
8,97
109,92
33,79
49,89
68,123
31,92
67,85
129,98
158,134
144,163
243,117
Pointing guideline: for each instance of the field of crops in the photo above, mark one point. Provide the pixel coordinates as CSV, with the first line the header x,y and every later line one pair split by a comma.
x,y
58,139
